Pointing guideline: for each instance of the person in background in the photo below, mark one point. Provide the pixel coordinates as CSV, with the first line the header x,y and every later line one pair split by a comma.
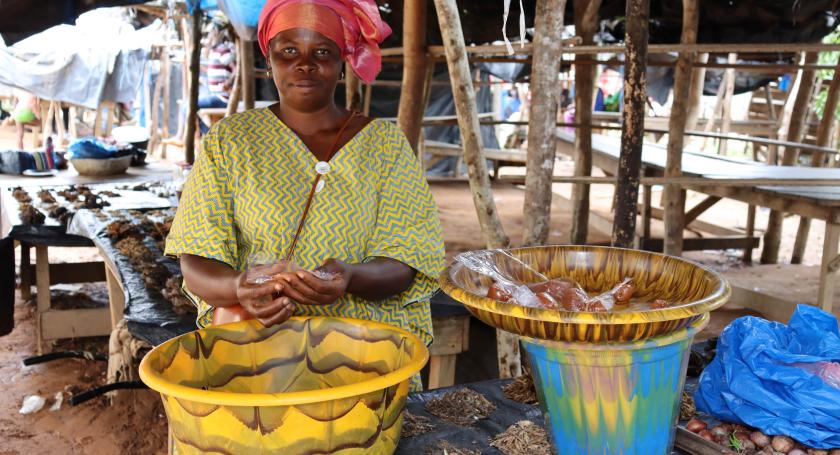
x,y
221,68
25,113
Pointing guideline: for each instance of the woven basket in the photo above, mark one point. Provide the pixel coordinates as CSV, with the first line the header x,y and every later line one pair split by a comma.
x,y
107,166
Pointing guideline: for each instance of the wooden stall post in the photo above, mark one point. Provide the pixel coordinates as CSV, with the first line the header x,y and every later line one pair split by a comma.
x,y
465,107
633,126
726,117
236,90
410,114
586,23
824,134
698,81
246,60
352,90
674,194
547,53
773,234
192,114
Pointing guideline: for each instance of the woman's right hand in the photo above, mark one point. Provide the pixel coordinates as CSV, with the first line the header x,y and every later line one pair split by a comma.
x,y
264,300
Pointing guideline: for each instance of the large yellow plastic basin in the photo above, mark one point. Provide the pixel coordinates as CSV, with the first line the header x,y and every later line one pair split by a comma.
x,y
309,385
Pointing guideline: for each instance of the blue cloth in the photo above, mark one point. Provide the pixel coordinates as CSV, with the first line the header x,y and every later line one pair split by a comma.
x,y
752,379
207,102
90,147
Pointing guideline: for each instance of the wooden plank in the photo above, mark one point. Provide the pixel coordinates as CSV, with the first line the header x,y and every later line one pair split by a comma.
x,y
441,371
770,306
25,272
76,272
824,133
750,232
674,200
772,201
699,243
698,225
726,113
236,90
411,107
42,283
795,130
586,23
825,293
696,91
701,207
116,297
818,188
450,335
89,322
637,13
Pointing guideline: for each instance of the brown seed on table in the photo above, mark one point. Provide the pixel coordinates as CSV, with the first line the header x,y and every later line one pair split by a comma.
x,y
797,452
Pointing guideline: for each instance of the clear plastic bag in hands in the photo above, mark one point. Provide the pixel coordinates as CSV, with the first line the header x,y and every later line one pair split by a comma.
x,y
262,267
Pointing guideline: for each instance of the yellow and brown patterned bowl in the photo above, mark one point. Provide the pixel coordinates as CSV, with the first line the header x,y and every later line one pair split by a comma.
x,y
310,385
695,290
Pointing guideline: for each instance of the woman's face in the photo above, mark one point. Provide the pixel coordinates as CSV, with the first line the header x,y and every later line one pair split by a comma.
x,y
305,66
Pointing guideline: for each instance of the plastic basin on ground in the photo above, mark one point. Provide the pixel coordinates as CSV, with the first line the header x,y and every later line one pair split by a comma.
x,y
608,382
309,385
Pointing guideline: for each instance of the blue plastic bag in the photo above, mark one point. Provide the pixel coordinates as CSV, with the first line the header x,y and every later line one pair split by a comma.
x,y
753,380
93,148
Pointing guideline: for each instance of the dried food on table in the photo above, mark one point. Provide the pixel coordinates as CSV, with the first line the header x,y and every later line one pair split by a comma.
x,y
415,425
135,250
154,275
444,447
172,292
21,195
121,229
92,201
687,407
522,389
46,197
109,193
461,407
70,194
523,438
30,215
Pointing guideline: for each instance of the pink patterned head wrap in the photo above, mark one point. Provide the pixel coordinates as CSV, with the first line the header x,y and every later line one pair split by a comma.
x,y
354,25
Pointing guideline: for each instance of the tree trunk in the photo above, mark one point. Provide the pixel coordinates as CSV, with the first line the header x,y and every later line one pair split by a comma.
x,y
633,126
541,126
674,200
410,114
824,134
798,114
586,23
464,94
192,114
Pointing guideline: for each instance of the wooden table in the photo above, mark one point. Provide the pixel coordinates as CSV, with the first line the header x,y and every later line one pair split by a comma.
x,y
53,324
819,202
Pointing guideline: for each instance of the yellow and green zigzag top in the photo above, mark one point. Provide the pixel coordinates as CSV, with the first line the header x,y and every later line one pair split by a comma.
x,y
247,192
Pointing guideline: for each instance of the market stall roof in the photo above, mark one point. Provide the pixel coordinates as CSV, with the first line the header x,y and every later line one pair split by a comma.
x,y
721,21
22,18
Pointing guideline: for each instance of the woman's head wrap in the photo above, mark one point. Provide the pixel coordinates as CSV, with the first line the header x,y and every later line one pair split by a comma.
x,y
354,25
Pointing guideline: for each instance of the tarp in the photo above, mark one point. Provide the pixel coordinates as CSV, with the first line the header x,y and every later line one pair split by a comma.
x,y
82,64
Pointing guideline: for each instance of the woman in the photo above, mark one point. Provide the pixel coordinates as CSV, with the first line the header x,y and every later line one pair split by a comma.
x,y
369,220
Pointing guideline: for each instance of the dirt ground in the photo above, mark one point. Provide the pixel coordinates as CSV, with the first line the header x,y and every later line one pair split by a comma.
x,y
139,426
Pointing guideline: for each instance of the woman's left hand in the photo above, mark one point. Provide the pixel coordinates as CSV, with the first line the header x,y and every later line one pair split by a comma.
x,y
308,289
